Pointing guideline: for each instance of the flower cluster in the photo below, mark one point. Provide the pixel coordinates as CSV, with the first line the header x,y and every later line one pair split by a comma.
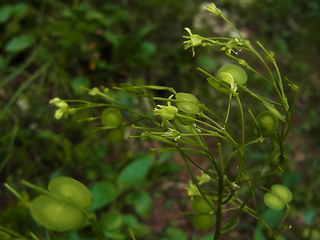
x,y
63,108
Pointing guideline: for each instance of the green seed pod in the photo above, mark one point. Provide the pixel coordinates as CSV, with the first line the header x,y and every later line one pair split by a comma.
x,y
157,138
115,135
187,103
273,201
55,214
167,112
186,97
200,205
278,197
203,221
267,123
111,118
239,75
72,190
276,158
187,121
282,192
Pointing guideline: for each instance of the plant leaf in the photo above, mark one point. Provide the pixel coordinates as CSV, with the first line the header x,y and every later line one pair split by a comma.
x,y
103,193
20,43
230,225
136,171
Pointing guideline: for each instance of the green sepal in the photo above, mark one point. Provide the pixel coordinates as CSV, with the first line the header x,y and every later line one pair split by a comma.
x,y
219,85
275,111
158,138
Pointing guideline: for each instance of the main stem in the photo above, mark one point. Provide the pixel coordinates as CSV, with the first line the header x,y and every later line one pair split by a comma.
x,y
217,234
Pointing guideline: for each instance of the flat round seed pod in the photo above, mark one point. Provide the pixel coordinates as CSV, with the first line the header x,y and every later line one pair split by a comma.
x,y
55,214
72,190
239,75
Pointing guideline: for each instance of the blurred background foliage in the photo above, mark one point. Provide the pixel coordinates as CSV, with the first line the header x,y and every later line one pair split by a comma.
x,y
51,48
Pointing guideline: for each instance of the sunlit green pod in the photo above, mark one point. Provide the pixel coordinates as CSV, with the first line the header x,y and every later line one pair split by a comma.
x,y
273,201
186,97
203,221
111,118
55,214
187,103
199,204
72,190
168,112
268,123
282,192
238,74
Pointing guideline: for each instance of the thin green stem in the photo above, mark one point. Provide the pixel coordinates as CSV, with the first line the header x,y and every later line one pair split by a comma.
x,y
186,158
14,192
218,229
222,130
241,154
95,227
266,66
131,234
12,233
282,220
249,67
260,98
233,27
251,212
228,111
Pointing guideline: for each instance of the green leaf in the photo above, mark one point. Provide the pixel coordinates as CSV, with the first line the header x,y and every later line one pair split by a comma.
x,y
110,221
258,234
138,228
115,235
208,237
20,10
79,83
176,234
292,179
272,217
207,63
146,51
20,43
136,171
113,38
309,215
230,225
103,193
141,202
165,156
5,13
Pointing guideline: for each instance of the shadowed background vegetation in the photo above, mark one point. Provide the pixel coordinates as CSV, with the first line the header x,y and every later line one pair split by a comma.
x,y
52,48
